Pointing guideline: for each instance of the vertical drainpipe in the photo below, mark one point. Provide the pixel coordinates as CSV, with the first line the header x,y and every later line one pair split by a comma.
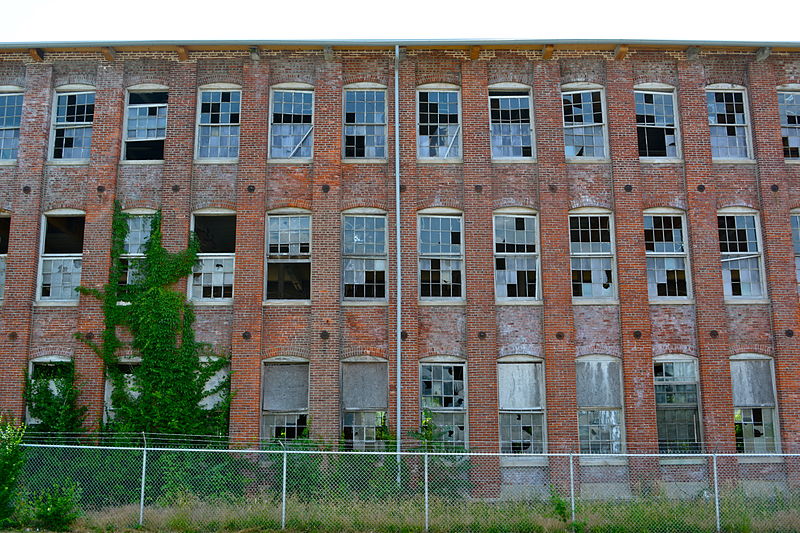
x,y
398,258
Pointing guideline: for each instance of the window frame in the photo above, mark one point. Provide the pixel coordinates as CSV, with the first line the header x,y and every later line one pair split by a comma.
x,y
212,212
608,408
372,87
43,360
747,126
67,90
777,441
671,212
508,87
47,301
376,444
662,89
4,215
441,213
445,361
137,256
733,299
794,220
681,358
264,413
458,141
142,88
540,410
612,298
216,87
289,212
8,91
793,89
292,88
367,213
584,87
526,213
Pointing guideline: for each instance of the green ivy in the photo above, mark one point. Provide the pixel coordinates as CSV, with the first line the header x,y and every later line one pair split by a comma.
x,y
52,399
12,459
169,381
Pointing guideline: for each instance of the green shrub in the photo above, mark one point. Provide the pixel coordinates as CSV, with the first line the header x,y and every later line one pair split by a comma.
x,y
55,509
12,459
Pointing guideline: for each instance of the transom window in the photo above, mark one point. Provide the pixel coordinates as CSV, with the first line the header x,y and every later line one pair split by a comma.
x,y
789,106
665,246
677,414
291,124
655,124
728,121
73,125
146,127
289,257
10,120
440,257
521,401
444,396
364,256
592,256
741,255
218,132
510,116
365,124
584,124
439,124
516,256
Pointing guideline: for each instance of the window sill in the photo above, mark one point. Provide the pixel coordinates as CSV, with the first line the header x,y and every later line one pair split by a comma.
x,y
602,460
67,162
587,160
513,160
228,302
287,303
595,301
439,161
8,162
141,162
733,161
794,161
365,303
216,161
755,459
661,160
746,301
364,161
683,460
520,301
290,161
664,301
452,302
56,303
523,460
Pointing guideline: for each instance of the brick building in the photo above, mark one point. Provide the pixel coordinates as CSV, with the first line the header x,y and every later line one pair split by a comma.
x,y
596,240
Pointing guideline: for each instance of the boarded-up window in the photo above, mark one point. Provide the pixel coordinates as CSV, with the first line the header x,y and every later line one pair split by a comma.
x,y
520,385
599,395
285,387
365,386
521,410
752,383
599,383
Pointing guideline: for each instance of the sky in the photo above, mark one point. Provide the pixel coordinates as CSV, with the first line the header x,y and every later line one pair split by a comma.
x,y
168,20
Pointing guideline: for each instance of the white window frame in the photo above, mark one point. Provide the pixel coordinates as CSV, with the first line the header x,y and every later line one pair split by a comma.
x,y
596,212
201,257
540,410
126,256
372,87
43,360
681,358
369,213
380,415
216,87
512,87
794,90
292,212
747,126
283,360
454,152
661,89
795,222
7,91
732,256
671,212
108,405
40,300
525,213
292,88
622,443
441,212
774,408
67,90
444,361
584,87
142,88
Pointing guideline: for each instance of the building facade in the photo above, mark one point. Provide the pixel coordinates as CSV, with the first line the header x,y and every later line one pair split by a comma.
x,y
592,247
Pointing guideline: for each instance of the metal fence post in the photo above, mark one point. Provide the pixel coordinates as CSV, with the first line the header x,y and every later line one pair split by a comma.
x,y
716,494
144,472
283,492
427,505
572,487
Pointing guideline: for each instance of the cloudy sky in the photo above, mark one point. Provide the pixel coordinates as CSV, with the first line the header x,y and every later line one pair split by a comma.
x,y
104,20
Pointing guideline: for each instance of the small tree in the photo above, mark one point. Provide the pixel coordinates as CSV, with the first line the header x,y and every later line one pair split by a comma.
x,y
12,459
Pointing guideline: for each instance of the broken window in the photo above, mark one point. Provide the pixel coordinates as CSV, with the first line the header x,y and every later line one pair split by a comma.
x,y
133,248
727,120
364,256
741,255
218,130
510,116
212,275
440,257
73,125
5,227
61,258
365,399
521,402
665,247
796,246
789,105
599,388
289,257
292,124
516,256
591,256
365,124
444,395
439,126
754,413
146,126
284,403
128,371
677,413
655,124
584,124
10,120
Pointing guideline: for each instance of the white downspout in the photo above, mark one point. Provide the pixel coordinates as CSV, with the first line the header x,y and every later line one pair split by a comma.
x,y
398,258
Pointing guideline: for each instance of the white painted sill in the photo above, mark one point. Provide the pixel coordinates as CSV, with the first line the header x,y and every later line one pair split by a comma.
x,y
661,160
513,160
291,161
603,460
683,460
756,459
210,303
439,160
216,161
664,301
144,162
792,161
746,301
66,162
365,303
520,301
587,160
451,302
523,460
364,161
732,161
8,162
595,301
286,303
56,303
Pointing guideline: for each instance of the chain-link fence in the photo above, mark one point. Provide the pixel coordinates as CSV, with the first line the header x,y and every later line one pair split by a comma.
x,y
166,489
